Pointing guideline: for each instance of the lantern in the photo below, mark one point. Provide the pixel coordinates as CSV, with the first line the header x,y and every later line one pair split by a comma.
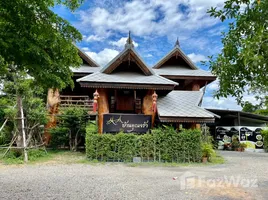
x,y
154,102
95,101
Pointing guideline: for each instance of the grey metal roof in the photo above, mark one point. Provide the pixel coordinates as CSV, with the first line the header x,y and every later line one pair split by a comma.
x,y
241,113
169,55
85,69
126,77
181,71
182,104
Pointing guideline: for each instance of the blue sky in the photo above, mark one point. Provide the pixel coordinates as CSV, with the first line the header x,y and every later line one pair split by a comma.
x,y
155,26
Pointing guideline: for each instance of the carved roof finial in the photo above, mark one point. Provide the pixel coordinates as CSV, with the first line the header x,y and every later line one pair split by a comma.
x,y
129,42
177,42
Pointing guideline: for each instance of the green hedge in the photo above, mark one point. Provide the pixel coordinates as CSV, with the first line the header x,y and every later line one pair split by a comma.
x,y
265,139
162,145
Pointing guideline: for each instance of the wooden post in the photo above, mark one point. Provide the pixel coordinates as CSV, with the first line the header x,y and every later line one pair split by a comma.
x,y
195,86
193,126
198,126
103,107
53,100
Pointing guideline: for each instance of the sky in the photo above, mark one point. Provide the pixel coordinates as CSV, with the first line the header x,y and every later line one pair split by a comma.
x,y
155,26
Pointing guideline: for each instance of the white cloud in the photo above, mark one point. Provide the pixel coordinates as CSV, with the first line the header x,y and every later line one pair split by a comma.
x,y
213,86
197,57
229,103
104,56
93,38
222,103
148,55
147,17
85,48
121,42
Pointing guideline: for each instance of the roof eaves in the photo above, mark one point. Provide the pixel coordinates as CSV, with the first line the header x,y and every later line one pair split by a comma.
x,y
171,82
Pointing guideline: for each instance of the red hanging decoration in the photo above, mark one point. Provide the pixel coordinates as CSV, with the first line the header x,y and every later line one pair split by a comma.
x,y
154,107
95,101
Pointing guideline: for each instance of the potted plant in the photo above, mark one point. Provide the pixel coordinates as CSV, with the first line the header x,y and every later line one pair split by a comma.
x,y
220,145
235,145
242,146
227,142
207,152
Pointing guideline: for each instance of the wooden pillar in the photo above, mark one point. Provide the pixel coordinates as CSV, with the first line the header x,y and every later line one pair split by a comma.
x,y
53,100
147,108
195,86
198,126
238,119
178,124
195,126
103,107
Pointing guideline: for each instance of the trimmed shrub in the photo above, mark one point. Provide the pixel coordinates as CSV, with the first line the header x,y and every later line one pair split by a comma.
x,y
265,139
162,145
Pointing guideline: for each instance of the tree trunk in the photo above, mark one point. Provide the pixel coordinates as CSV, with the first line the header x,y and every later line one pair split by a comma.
x,y
21,139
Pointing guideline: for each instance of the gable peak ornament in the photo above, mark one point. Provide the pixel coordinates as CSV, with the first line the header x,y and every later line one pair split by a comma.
x,y
177,44
129,42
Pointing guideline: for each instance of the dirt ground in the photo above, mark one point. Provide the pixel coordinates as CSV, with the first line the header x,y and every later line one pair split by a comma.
x,y
243,176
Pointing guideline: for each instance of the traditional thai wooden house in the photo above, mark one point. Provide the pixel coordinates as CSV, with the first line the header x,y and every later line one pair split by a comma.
x,y
133,97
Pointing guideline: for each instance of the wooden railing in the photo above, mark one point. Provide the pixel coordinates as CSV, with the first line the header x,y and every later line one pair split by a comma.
x,y
79,101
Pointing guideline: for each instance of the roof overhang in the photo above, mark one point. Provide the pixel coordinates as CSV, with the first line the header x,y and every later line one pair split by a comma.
x,y
127,86
235,113
186,119
205,78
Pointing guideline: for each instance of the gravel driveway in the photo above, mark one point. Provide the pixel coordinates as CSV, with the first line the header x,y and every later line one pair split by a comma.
x,y
244,176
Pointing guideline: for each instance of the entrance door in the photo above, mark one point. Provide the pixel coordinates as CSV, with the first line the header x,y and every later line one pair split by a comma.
x,y
125,101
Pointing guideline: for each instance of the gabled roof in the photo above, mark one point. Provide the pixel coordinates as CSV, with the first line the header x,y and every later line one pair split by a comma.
x,y
126,80
183,106
86,58
176,51
85,70
128,54
89,66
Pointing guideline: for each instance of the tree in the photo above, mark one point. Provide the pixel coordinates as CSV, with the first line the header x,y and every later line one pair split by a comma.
x,y
31,100
70,129
249,107
242,64
37,41
261,108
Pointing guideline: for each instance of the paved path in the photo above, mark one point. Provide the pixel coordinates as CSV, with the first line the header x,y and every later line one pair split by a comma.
x,y
82,181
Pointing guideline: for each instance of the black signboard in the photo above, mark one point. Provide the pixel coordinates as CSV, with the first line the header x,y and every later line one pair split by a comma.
x,y
128,123
222,132
254,136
